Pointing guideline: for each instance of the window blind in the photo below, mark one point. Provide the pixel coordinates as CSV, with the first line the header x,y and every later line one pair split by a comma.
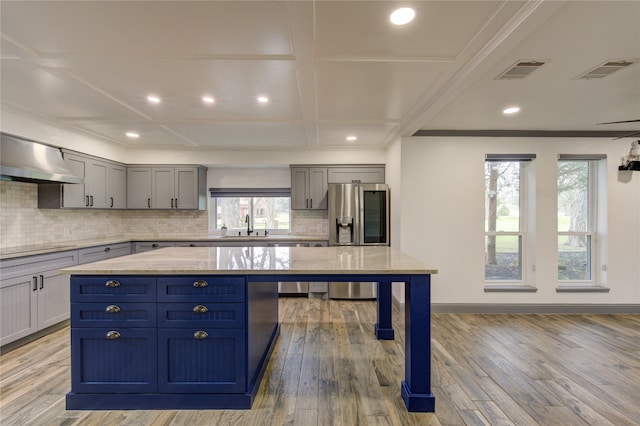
x,y
250,192
510,157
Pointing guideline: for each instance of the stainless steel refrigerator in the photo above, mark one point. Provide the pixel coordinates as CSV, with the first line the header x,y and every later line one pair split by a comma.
x,y
358,215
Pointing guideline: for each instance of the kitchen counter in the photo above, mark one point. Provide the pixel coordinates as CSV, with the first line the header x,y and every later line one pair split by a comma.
x,y
35,249
262,260
175,285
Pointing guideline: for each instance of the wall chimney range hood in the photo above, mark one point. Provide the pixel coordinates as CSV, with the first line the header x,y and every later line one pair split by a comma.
x,y
29,161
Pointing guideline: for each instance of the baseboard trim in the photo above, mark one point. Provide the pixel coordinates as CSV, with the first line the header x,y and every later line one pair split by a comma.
x,y
489,308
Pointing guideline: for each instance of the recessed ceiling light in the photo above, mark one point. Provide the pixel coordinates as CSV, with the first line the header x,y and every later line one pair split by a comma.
x,y
511,110
402,16
133,135
153,99
208,99
351,138
263,99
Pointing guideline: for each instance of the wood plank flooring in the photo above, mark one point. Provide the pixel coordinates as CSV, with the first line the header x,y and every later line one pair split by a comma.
x,y
328,369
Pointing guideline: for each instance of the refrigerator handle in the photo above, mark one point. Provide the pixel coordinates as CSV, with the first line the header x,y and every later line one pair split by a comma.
x,y
357,225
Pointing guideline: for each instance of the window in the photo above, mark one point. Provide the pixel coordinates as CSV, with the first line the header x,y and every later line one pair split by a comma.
x,y
268,209
505,218
577,201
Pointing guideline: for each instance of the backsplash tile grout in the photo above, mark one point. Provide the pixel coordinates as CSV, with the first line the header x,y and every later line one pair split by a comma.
x,y
22,223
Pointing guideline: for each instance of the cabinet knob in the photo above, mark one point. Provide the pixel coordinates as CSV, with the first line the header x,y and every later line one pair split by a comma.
x,y
199,335
112,283
112,309
199,309
112,335
200,284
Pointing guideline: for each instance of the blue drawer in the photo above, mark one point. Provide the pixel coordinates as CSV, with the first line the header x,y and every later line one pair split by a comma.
x,y
201,289
206,314
91,288
130,315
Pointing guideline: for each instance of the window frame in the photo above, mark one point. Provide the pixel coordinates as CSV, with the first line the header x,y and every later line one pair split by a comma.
x,y
591,233
523,196
252,194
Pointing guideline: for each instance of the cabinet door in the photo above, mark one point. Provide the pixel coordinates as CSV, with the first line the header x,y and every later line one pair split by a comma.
x,y
96,183
138,187
299,188
19,303
201,360
117,187
186,184
114,360
53,298
73,195
318,188
162,187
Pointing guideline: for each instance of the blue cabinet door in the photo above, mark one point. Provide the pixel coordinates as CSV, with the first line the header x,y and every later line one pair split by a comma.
x,y
112,360
201,360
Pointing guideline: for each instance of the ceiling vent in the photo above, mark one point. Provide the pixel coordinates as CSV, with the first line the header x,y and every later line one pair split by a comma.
x,y
605,69
519,70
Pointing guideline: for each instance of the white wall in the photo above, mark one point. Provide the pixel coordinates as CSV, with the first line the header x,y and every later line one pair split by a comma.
x,y
442,216
393,172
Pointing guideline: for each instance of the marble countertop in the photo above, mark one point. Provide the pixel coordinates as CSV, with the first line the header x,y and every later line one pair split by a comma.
x,y
259,260
34,249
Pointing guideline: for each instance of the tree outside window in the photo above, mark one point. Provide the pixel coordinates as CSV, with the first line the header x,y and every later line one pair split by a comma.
x,y
503,220
575,219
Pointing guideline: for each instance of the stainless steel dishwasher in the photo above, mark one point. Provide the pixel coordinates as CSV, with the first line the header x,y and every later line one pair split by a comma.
x,y
296,288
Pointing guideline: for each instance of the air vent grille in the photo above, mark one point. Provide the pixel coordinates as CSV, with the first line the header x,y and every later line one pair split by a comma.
x,y
520,70
605,69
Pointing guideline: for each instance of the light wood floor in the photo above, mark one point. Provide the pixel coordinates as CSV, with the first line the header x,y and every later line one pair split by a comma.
x,y
328,369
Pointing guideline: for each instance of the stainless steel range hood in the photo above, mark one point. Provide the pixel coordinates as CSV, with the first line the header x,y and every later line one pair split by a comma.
x,y
28,161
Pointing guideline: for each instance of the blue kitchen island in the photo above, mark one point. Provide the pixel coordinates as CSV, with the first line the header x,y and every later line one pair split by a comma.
x,y
194,327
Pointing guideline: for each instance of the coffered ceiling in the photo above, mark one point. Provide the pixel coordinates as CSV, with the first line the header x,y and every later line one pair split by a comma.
x,y
330,69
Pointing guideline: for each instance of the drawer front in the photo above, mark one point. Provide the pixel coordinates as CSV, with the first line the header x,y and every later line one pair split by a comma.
x,y
201,289
113,360
130,315
91,288
189,315
201,360
94,254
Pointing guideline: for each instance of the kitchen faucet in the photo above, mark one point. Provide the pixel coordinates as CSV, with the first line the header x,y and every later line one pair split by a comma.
x,y
248,222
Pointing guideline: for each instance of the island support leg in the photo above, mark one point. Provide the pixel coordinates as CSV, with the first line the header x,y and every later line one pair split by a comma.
x,y
384,328
416,388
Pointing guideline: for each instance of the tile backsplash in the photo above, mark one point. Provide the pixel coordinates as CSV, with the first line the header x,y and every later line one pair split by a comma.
x,y
22,223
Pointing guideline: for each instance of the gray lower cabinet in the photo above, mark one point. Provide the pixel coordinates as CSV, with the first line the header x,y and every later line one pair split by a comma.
x,y
143,246
33,294
94,254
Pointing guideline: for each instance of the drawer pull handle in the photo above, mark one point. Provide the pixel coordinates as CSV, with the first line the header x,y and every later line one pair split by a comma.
x,y
199,309
112,309
107,250
200,335
200,284
112,335
112,283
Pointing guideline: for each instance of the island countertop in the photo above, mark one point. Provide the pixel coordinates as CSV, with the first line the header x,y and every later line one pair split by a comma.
x,y
259,260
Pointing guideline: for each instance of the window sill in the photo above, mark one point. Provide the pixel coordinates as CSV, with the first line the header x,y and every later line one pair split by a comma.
x,y
582,289
498,288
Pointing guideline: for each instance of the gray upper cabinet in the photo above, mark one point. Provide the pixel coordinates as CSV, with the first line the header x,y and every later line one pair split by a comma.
x,y
309,188
167,187
138,187
104,186
350,174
